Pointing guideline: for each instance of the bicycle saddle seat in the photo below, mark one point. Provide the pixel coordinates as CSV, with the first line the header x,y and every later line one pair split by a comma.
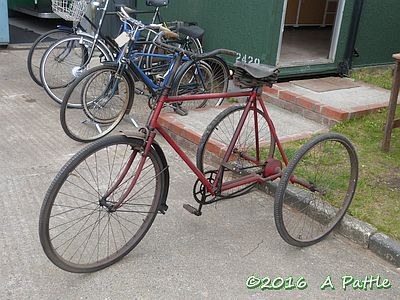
x,y
257,70
193,31
157,3
249,75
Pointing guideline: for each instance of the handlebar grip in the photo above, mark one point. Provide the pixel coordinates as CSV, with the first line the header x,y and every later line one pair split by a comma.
x,y
125,8
228,52
168,33
214,53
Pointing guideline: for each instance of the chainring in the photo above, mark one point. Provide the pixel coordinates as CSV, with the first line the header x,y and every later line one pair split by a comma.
x,y
200,193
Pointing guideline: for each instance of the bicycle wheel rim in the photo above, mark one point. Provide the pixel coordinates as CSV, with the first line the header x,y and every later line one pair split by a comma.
x,y
65,61
38,49
218,135
95,104
196,79
329,163
82,252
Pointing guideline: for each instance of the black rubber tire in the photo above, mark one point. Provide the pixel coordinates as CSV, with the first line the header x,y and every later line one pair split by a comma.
x,y
339,156
158,64
68,68
76,117
95,184
225,123
188,81
38,49
221,74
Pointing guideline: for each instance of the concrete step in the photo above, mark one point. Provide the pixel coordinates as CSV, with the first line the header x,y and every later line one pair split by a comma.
x,y
187,130
328,100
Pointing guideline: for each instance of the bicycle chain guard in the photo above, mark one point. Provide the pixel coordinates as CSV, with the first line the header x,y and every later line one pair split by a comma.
x,y
200,193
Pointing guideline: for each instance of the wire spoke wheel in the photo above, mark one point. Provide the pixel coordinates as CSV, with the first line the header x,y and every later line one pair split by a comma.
x,y
218,135
38,49
78,230
96,103
210,75
65,61
316,189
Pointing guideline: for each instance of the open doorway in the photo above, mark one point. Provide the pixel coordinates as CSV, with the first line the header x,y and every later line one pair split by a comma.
x,y
309,33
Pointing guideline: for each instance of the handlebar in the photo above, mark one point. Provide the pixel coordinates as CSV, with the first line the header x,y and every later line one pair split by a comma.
x,y
190,54
165,32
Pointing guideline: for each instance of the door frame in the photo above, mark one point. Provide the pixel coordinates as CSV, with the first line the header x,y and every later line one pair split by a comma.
x,y
335,34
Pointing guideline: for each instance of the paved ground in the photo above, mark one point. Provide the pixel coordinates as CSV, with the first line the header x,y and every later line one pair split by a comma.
x,y
182,257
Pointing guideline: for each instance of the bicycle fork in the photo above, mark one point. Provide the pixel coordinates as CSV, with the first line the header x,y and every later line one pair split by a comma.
x,y
144,155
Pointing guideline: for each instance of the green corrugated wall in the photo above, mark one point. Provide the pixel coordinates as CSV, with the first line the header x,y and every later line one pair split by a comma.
x,y
245,26
378,36
252,28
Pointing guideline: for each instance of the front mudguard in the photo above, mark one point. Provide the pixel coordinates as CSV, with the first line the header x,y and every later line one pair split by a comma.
x,y
132,79
164,193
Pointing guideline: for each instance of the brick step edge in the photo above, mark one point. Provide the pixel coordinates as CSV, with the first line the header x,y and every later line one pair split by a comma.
x,y
314,110
359,232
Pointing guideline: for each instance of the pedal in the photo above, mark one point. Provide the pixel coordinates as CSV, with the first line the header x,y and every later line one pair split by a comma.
x,y
192,210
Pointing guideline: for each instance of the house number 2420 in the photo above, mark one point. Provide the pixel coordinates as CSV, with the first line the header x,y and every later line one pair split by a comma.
x,y
247,58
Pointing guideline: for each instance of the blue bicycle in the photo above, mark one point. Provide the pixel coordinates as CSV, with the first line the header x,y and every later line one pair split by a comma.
x,y
61,55
97,101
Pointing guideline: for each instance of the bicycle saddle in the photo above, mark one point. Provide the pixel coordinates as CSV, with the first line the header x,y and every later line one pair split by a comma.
x,y
193,31
157,3
253,75
257,70
126,8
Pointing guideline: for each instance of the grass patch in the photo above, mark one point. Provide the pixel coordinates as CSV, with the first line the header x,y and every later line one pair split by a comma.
x,y
377,199
379,76
233,100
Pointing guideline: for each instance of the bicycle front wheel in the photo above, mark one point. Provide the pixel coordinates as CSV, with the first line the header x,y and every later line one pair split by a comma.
x,y
78,231
66,60
316,189
96,103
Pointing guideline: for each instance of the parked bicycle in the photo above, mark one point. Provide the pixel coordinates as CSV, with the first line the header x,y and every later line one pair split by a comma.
x,y
44,41
104,200
74,14
67,58
97,101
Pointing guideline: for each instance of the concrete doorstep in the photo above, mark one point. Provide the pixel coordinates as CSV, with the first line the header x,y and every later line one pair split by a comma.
x,y
328,100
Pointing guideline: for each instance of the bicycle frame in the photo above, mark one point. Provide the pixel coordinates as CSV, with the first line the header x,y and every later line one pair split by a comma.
x,y
132,56
254,97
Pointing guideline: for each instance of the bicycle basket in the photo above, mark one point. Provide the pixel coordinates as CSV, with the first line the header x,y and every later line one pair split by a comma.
x,y
70,10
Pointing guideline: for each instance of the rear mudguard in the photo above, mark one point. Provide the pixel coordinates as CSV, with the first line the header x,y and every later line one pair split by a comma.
x,y
164,193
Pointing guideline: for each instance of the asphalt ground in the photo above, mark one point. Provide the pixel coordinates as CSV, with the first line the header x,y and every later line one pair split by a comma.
x,y
182,256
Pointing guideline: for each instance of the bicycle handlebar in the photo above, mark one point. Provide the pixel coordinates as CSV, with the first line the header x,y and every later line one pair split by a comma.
x,y
165,31
170,34
123,13
192,55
